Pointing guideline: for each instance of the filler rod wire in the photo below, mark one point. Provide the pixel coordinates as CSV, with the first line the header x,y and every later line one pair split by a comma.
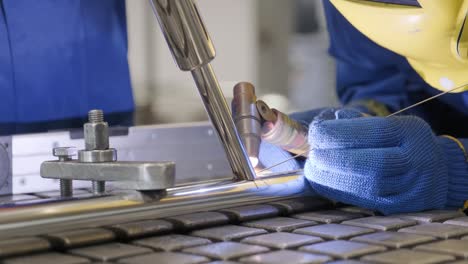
x,y
284,161
427,100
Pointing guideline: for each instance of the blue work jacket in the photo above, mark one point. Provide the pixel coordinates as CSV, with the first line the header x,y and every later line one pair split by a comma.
x,y
61,58
367,71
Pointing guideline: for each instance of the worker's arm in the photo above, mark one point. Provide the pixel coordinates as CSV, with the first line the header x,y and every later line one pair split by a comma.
x,y
391,165
367,71
364,69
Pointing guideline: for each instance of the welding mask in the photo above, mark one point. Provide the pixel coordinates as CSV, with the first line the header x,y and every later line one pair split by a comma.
x,y
431,34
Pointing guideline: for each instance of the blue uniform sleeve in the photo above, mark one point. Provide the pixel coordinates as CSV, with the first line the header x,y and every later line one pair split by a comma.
x,y
365,70
63,58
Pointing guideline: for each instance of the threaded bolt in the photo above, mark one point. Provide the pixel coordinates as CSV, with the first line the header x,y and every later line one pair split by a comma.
x,y
96,116
65,154
66,188
99,187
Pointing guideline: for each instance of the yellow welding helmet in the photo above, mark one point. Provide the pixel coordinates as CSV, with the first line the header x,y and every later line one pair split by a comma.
x,y
431,34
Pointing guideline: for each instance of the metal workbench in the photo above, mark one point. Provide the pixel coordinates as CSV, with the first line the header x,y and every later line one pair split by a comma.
x,y
298,230
270,220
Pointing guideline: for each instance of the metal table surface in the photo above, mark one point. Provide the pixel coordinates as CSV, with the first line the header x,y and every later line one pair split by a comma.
x,y
298,230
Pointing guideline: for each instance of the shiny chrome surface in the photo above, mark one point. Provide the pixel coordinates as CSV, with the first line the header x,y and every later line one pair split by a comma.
x,y
193,50
125,174
219,114
185,32
125,207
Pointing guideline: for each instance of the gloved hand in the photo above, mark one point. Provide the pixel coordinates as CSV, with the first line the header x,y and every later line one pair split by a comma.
x,y
306,117
368,107
392,165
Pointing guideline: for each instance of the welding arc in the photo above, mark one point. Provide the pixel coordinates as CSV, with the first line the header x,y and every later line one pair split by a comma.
x,y
395,113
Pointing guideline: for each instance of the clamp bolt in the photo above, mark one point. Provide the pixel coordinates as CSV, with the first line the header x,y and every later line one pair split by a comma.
x,y
97,145
65,154
96,116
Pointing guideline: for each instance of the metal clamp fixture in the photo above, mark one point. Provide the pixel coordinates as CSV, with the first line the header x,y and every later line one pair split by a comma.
x,y
98,163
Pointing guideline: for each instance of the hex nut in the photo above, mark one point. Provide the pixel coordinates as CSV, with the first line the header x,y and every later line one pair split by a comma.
x,y
97,156
96,136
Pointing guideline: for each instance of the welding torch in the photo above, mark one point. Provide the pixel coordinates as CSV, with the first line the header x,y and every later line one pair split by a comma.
x,y
256,121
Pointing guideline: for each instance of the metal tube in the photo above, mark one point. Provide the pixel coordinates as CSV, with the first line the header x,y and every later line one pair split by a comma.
x,y
193,51
107,210
185,32
219,113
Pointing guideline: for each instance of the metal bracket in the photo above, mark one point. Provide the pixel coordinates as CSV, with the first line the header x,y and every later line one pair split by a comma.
x,y
98,163
126,175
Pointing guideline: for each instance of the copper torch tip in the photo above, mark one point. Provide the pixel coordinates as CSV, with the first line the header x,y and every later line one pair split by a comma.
x,y
244,88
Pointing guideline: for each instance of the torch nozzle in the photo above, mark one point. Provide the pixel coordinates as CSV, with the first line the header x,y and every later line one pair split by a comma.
x,y
247,119
256,121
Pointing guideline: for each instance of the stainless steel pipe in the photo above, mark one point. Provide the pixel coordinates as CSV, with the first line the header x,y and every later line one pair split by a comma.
x,y
106,210
193,51
221,117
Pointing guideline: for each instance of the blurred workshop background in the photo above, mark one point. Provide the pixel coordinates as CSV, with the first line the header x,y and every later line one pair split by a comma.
x,y
280,46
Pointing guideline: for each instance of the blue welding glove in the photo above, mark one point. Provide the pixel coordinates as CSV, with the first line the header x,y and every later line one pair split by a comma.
x,y
368,107
307,116
391,165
